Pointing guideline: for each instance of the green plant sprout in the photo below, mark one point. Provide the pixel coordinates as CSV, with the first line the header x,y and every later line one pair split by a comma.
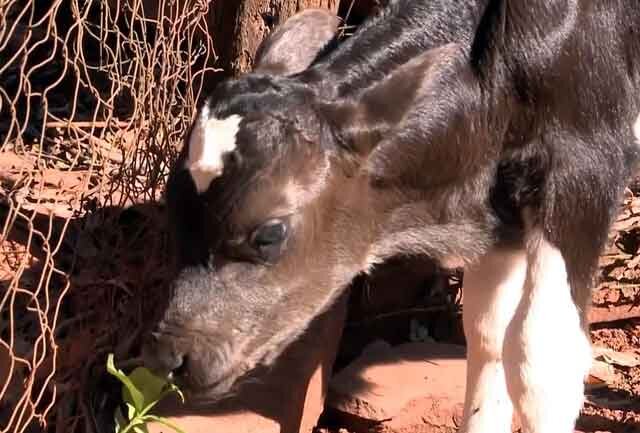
x,y
141,391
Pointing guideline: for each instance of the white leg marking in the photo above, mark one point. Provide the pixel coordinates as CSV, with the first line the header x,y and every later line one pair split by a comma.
x,y
492,291
636,129
546,352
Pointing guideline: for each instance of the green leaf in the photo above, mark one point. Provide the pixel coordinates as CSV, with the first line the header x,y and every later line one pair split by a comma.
x,y
141,390
133,423
167,391
171,387
136,421
164,421
132,394
177,390
149,385
131,411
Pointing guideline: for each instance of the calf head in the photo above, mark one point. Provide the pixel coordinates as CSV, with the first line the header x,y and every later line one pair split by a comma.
x,y
279,198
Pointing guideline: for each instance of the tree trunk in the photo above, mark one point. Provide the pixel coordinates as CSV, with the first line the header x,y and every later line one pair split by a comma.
x,y
240,26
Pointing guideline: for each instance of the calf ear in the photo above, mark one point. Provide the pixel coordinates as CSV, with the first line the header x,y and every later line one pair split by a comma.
x,y
411,124
293,46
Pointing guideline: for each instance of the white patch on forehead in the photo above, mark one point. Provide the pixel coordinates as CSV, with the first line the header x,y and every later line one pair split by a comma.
x,y
636,129
210,139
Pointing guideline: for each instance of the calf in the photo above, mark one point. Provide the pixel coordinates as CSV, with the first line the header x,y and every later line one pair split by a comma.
x,y
495,135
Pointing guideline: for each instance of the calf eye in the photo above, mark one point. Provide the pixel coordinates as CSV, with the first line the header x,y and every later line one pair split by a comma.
x,y
268,239
271,232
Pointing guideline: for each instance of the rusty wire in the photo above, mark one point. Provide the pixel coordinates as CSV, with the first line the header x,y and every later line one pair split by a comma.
x,y
95,96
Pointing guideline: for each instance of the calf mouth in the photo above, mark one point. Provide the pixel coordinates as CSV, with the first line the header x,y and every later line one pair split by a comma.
x,y
199,373
196,390
226,386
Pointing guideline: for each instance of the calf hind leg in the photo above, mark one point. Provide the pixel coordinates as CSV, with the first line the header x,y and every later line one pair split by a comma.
x,y
492,291
546,350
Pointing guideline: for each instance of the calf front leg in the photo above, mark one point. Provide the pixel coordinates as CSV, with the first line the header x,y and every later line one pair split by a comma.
x,y
546,351
492,291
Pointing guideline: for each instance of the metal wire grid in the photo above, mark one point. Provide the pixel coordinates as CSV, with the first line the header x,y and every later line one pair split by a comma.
x,y
95,96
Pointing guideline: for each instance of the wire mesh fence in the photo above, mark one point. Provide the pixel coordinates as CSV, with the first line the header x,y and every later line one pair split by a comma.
x,y
95,97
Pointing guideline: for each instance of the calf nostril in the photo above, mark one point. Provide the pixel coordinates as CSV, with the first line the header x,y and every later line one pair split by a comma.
x,y
181,370
172,362
161,355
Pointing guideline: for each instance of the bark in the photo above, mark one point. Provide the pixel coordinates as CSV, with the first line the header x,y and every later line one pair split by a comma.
x,y
240,26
